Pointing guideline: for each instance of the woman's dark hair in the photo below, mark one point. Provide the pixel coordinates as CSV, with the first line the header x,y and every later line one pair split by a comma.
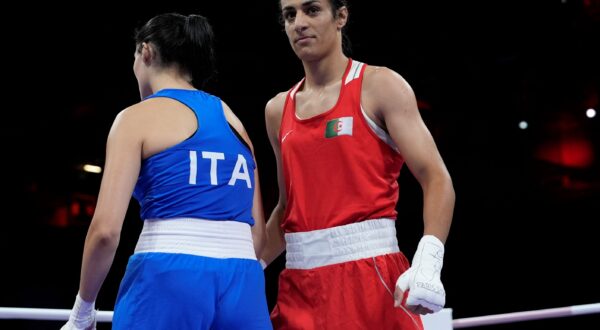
x,y
335,6
184,41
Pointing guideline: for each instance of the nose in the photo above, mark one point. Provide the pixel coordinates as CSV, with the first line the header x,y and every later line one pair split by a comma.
x,y
300,21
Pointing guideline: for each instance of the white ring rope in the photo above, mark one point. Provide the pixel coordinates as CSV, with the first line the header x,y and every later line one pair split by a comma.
x,y
526,316
46,314
106,316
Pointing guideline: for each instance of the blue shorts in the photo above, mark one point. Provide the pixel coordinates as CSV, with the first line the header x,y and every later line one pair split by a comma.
x,y
181,291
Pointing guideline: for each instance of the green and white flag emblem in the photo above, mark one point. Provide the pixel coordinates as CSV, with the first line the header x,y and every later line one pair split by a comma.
x,y
339,126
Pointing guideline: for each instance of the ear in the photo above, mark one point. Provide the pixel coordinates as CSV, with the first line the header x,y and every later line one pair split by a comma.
x,y
148,53
342,17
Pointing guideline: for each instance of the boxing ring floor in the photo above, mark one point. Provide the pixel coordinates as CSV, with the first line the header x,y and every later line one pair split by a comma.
x,y
439,321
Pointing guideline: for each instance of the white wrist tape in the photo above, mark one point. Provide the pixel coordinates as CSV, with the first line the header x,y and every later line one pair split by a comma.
x,y
83,315
423,277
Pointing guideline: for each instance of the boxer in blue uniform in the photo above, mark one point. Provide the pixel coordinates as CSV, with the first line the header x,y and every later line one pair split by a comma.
x,y
188,161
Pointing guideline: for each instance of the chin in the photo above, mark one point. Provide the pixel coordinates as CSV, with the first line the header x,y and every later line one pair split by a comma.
x,y
307,55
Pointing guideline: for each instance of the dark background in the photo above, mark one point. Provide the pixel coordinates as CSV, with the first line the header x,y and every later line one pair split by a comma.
x,y
525,230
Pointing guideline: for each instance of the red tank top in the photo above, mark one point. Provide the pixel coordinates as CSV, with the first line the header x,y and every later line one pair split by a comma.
x,y
337,170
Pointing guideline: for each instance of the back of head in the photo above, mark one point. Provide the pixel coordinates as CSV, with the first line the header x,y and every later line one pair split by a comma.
x,y
182,41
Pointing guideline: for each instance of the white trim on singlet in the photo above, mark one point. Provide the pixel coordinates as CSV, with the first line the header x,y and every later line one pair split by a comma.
x,y
295,89
383,135
354,71
317,248
207,238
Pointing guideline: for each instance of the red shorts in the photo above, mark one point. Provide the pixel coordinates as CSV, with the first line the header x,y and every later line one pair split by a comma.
x,y
349,295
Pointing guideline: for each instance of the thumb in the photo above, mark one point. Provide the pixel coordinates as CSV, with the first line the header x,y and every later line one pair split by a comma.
x,y
402,282
401,287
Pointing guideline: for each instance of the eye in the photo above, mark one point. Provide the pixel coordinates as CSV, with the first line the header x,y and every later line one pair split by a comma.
x,y
313,10
289,15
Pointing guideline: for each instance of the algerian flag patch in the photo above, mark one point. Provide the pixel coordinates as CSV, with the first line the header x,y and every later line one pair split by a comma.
x,y
339,126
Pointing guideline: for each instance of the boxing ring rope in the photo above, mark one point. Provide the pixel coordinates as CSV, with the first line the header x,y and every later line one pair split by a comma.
x,y
526,316
46,314
106,316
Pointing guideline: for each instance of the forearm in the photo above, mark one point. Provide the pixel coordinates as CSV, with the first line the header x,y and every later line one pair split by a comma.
x,y
275,240
258,229
98,255
438,207
258,238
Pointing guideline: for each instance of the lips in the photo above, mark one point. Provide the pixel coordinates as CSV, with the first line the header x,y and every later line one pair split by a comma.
x,y
300,39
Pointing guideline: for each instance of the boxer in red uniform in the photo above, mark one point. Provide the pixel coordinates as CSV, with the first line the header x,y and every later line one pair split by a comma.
x,y
340,137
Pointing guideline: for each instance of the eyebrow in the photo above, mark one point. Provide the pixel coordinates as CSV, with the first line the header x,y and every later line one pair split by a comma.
x,y
304,4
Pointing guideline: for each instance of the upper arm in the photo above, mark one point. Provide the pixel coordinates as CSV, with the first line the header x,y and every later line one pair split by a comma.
x,y
389,97
273,114
236,123
121,170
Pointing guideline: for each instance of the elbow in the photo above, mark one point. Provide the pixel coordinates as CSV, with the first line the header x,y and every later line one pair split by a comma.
x,y
432,175
445,181
279,209
448,183
439,182
104,236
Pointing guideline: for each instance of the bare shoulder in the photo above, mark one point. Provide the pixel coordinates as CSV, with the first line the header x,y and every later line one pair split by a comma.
x,y
130,115
236,123
124,127
137,119
141,110
384,89
136,113
379,78
273,114
231,117
274,107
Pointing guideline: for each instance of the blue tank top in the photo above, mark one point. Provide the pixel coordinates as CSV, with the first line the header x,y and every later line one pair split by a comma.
x,y
209,176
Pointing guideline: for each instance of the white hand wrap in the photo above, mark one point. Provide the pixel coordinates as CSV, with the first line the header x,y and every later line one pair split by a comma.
x,y
423,277
82,317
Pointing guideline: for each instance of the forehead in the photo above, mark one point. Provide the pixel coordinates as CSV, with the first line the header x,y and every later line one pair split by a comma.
x,y
289,4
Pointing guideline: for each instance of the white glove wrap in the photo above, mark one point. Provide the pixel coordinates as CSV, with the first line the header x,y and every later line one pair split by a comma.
x,y
423,277
82,317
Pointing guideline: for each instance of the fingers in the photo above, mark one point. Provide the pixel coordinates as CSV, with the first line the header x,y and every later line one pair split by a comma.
x,y
413,308
418,309
398,297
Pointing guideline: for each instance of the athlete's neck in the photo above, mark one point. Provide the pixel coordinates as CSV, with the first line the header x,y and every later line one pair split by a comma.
x,y
324,72
169,79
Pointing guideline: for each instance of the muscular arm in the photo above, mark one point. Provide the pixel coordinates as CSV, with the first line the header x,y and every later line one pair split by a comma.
x,y
258,230
275,238
123,158
390,100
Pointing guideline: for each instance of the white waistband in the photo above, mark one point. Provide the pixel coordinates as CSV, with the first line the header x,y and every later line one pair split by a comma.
x,y
207,238
317,248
